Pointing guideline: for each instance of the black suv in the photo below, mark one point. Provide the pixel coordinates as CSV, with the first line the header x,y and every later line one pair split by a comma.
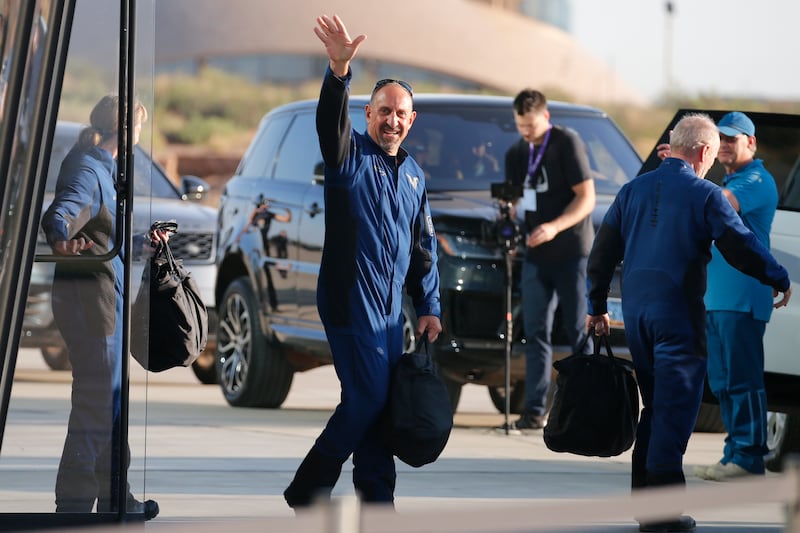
x,y
269,327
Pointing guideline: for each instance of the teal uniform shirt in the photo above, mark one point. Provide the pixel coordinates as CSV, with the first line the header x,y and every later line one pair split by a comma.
x,y
731,290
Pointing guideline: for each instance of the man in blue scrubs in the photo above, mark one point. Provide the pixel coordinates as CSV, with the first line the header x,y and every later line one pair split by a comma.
x,y
738,308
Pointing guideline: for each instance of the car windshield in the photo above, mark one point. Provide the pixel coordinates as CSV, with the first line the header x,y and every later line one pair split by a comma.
x,y
463,148
149,179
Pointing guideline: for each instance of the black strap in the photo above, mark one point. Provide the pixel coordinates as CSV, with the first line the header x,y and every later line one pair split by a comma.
x,y
605,341
422,345
167,226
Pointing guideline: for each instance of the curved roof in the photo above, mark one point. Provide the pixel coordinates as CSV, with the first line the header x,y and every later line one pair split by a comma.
x,y
470,40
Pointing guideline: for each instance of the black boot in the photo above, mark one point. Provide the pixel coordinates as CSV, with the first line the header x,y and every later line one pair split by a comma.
x,y
376,492
378,487
148,508
682,523
315,478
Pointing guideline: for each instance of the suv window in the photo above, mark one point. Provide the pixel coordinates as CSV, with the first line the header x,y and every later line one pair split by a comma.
x,y
262,150
463,148
612,160
299,153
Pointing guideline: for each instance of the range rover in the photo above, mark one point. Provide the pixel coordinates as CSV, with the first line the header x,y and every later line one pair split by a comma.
x,y
269,327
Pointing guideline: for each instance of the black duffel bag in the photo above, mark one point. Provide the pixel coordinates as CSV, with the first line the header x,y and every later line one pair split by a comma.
x,y
169,322
420,416
595,409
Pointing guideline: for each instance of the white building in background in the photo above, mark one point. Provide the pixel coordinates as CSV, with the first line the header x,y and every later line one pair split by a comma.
x,y
459,44
555,12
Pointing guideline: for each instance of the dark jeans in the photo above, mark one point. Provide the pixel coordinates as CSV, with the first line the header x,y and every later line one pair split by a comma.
x,y
544,287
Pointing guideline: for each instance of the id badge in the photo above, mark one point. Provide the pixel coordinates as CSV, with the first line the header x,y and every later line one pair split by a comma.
x,y
528,200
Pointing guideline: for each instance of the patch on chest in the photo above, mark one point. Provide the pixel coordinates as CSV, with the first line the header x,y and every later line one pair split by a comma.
x,y
413,180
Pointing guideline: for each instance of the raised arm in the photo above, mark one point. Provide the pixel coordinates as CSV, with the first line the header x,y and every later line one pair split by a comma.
x,y
339,46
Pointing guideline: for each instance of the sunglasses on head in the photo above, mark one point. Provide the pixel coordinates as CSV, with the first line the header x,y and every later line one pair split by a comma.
x,y
387,81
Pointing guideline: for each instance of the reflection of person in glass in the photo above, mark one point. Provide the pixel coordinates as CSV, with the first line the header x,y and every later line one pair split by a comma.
x,y
87,306
281,244
484,163
261,218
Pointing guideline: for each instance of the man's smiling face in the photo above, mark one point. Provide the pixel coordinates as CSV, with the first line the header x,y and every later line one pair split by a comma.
x,y
390,114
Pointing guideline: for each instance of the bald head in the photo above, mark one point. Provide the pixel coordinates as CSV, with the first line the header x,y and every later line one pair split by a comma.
x,y
695,139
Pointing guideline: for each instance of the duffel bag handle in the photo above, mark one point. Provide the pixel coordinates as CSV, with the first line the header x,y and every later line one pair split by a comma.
x,y
604,341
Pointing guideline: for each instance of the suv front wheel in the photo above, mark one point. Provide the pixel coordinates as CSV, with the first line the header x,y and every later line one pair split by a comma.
x,y
251,368
783,438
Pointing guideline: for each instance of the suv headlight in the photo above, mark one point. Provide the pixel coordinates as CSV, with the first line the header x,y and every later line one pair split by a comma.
x,y
465,247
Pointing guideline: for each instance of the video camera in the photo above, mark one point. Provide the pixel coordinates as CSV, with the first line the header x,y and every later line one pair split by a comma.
x,y
261,201
506,228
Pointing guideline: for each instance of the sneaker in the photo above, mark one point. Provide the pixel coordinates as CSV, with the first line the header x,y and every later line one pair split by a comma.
x,y
683,523
528,421
726,472
703,471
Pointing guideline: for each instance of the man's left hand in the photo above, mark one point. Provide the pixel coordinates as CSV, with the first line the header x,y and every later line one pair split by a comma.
x,y
600,323
541,234
783,302
431,325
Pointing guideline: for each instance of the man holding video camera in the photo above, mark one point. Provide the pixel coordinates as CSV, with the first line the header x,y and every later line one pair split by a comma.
x,y
551,164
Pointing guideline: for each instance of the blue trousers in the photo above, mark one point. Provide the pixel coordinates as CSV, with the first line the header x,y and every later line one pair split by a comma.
x,y
544,287
670,373
736,377
363,364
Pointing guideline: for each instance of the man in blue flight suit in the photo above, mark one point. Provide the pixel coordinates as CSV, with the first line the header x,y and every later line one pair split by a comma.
x,y
378,239
663,223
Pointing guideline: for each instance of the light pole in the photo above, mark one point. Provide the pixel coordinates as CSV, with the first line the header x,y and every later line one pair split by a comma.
x,y
668,84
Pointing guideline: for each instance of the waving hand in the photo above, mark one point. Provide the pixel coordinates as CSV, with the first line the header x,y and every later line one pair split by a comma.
x,y
339,46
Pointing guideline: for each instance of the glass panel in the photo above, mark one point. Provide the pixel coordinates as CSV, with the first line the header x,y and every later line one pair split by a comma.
x,y
151,188
28,452
67,421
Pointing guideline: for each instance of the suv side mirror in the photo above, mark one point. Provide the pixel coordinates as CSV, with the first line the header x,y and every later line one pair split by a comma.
x,y
194,188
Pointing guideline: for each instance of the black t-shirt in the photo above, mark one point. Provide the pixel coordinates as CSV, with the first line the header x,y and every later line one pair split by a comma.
x,y
564,165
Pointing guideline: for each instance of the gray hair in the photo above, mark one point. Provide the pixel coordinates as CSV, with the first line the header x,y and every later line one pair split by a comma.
x,y
692,131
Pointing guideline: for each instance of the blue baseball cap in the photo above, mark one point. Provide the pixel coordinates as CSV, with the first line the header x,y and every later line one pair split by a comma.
x,y
736,123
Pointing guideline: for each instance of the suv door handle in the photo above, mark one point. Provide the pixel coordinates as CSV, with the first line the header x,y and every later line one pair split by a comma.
x,y
314,210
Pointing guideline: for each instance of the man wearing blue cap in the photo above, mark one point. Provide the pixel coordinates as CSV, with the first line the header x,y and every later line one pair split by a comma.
x,y
738,308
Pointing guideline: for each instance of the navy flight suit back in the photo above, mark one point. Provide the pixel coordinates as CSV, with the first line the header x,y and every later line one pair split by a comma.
x,y
663,223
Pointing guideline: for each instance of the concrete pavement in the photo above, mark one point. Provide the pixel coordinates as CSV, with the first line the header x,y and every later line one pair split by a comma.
x,y
207,462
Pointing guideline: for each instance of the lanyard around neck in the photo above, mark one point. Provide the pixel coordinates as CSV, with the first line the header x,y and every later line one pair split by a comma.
x,y
534,163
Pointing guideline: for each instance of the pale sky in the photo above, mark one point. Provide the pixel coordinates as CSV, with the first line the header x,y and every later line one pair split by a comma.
x,y
719,47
